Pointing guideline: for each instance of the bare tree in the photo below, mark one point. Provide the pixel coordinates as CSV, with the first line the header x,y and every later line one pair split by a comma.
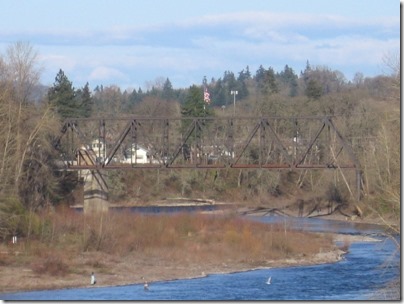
x,y
23,69
154,106
157,83
23,75
393,64
25,129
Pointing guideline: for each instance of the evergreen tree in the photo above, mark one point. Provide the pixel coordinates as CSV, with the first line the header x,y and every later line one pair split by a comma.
x,y
194,105
269,85
242,89
63,97
313,90
247,72
266,80
154,92
229,83
135,97
306,72
260,75
168,92
218,93
242,76
230,80
85,101
289,77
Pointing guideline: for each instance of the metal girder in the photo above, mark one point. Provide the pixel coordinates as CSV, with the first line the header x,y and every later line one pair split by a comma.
x,y
272,143
207,142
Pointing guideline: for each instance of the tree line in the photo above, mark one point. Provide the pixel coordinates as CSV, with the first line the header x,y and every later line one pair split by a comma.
x,y
313,84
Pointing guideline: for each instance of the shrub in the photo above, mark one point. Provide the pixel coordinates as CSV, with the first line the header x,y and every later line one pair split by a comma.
x,y
12,217
173,237
334,194
51,265
4,259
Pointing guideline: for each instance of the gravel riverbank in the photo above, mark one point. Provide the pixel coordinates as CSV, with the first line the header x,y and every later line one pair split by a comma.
x,y
136,269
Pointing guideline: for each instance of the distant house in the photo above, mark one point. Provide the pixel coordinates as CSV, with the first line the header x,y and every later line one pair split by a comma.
x,y
96,149
216,152
137,155
99,148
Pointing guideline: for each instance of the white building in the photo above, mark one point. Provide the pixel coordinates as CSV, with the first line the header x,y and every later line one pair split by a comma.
x,y
99,148
137,155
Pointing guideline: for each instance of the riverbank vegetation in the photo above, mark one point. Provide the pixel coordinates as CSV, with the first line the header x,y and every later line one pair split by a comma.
x,y
67,243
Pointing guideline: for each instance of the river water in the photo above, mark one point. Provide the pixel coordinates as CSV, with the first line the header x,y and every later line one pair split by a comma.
x,y
365,269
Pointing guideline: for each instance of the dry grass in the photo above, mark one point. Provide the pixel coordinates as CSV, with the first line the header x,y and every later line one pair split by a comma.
x,y
52,265
122,247
179,237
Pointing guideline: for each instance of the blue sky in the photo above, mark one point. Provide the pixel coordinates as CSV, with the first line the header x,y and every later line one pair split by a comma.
x,y
131,43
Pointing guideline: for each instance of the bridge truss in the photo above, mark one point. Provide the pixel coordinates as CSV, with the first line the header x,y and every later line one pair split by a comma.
x,y
272,143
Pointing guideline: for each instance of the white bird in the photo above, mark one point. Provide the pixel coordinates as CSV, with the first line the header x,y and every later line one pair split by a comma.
x,y
269,280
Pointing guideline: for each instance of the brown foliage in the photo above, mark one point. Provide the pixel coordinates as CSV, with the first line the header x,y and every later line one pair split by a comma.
x,y
175,238
52,265
194,236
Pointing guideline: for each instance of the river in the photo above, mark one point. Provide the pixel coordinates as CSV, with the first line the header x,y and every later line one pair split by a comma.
x,y
364,270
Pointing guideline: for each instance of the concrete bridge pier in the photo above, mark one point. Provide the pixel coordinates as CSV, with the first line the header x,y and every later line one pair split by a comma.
x,y
95,192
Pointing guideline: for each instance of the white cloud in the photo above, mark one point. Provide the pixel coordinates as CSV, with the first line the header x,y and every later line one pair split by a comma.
x,y
250,24
62,61
274,20
103,73
262,33
208,45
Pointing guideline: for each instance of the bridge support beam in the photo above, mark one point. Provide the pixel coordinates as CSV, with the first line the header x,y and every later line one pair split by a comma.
x,y
95,194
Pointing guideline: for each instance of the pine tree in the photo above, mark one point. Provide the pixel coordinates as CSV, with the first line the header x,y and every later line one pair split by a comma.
x,y
269,86
260,75
242,89
63,97
85,101
168,92
313,90
218,94
289,77
194,105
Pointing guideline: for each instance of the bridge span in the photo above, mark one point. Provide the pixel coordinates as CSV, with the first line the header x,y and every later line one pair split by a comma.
x,y
272,143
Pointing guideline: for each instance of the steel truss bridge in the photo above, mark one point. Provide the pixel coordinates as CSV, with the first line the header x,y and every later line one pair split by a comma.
x,y
272,143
